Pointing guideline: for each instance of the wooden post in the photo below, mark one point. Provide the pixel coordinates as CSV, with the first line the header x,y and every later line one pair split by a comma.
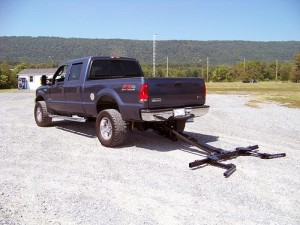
x,y
207,68
276,70
244,67
167,66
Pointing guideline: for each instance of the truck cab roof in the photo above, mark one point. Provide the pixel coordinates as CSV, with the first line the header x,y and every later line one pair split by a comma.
x,y
88,58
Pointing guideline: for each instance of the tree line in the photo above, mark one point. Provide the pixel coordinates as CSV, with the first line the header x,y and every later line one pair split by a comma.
x,y
242,71
15,50
248,70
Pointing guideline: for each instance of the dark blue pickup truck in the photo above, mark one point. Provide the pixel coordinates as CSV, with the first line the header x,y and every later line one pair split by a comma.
x,y
113,92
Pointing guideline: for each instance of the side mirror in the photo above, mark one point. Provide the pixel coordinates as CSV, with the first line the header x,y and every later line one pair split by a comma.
x,y
44,80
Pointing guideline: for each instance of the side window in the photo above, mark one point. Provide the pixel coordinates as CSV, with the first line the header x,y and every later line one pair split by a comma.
x,y
100,69
75,72
60,74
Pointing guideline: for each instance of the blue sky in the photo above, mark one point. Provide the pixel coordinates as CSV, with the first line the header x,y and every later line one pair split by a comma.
x,y
253,20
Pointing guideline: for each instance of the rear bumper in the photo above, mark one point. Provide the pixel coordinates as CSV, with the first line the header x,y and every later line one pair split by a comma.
x,y
168,114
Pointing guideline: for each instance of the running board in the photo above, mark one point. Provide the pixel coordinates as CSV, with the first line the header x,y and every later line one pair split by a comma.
x,y
69,118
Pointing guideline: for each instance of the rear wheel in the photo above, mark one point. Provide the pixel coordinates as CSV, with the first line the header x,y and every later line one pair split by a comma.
x,y
111,129
41,114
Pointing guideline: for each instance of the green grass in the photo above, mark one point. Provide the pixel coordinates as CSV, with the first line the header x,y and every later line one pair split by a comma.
x,y
287,94
8,90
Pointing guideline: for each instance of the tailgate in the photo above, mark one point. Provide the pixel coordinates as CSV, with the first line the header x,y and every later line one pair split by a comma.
x,y
175,92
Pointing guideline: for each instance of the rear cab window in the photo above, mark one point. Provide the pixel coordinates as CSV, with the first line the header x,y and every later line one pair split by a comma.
x,y
108,69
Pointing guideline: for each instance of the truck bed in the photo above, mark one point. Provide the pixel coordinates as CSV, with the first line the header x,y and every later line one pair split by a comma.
x,y
175,92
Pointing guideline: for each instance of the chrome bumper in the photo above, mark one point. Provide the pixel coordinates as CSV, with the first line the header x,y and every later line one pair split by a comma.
x,y
168,114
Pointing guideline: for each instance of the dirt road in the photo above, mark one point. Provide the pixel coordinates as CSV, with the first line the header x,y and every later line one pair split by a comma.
x,y
62,175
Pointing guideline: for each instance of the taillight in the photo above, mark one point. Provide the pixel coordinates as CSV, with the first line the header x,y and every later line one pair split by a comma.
x,y
143,96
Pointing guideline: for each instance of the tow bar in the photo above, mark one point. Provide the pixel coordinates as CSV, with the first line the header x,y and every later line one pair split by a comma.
x,y
215,156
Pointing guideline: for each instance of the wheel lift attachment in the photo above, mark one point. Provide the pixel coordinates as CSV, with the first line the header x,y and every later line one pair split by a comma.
x,y
215,156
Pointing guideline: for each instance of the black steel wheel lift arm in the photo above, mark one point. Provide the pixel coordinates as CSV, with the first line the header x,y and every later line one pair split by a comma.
x,y
215,156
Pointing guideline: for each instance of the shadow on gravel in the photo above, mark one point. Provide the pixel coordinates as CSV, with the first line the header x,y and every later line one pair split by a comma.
x,y
203,138
83,129
148,140
152,141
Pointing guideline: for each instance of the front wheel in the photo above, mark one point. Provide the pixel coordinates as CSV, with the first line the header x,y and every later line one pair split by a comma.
x,y
41,114
111,129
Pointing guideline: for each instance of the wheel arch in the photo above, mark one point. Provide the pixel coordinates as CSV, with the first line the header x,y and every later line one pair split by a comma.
x,y
107,102
39,98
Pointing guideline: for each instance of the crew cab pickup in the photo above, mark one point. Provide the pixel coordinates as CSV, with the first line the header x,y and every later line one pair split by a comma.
x,y
113,92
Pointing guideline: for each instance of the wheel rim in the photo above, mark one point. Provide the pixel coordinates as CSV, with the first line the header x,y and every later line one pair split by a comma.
x,y
105,128
39,115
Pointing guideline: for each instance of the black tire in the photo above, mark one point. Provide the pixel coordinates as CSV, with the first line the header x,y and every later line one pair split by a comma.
x,y
41,114
180,125
111,129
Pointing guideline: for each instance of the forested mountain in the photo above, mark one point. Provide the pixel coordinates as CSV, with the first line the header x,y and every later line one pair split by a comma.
x,y
53,49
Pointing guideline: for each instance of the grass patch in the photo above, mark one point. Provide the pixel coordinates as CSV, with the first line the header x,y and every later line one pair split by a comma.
x,y
8,90
291,101
254,103
286,94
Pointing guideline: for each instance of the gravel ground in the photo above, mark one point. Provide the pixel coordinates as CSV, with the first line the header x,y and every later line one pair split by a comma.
x,y
62,175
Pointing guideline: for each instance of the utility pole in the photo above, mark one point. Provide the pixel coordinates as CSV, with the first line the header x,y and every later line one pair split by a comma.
x,y
167,66
207,68
245,67
276,69
201,67
154,49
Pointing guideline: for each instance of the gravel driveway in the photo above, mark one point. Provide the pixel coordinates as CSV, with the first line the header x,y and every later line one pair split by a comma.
x,y
62,175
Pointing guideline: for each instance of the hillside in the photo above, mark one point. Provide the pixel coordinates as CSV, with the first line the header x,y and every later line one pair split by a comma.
x,y
54,49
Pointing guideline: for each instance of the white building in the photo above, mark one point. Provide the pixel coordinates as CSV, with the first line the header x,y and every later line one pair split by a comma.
x,y
31,78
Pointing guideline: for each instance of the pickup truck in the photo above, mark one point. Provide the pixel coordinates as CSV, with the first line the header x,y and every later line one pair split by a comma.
x,y
113,92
